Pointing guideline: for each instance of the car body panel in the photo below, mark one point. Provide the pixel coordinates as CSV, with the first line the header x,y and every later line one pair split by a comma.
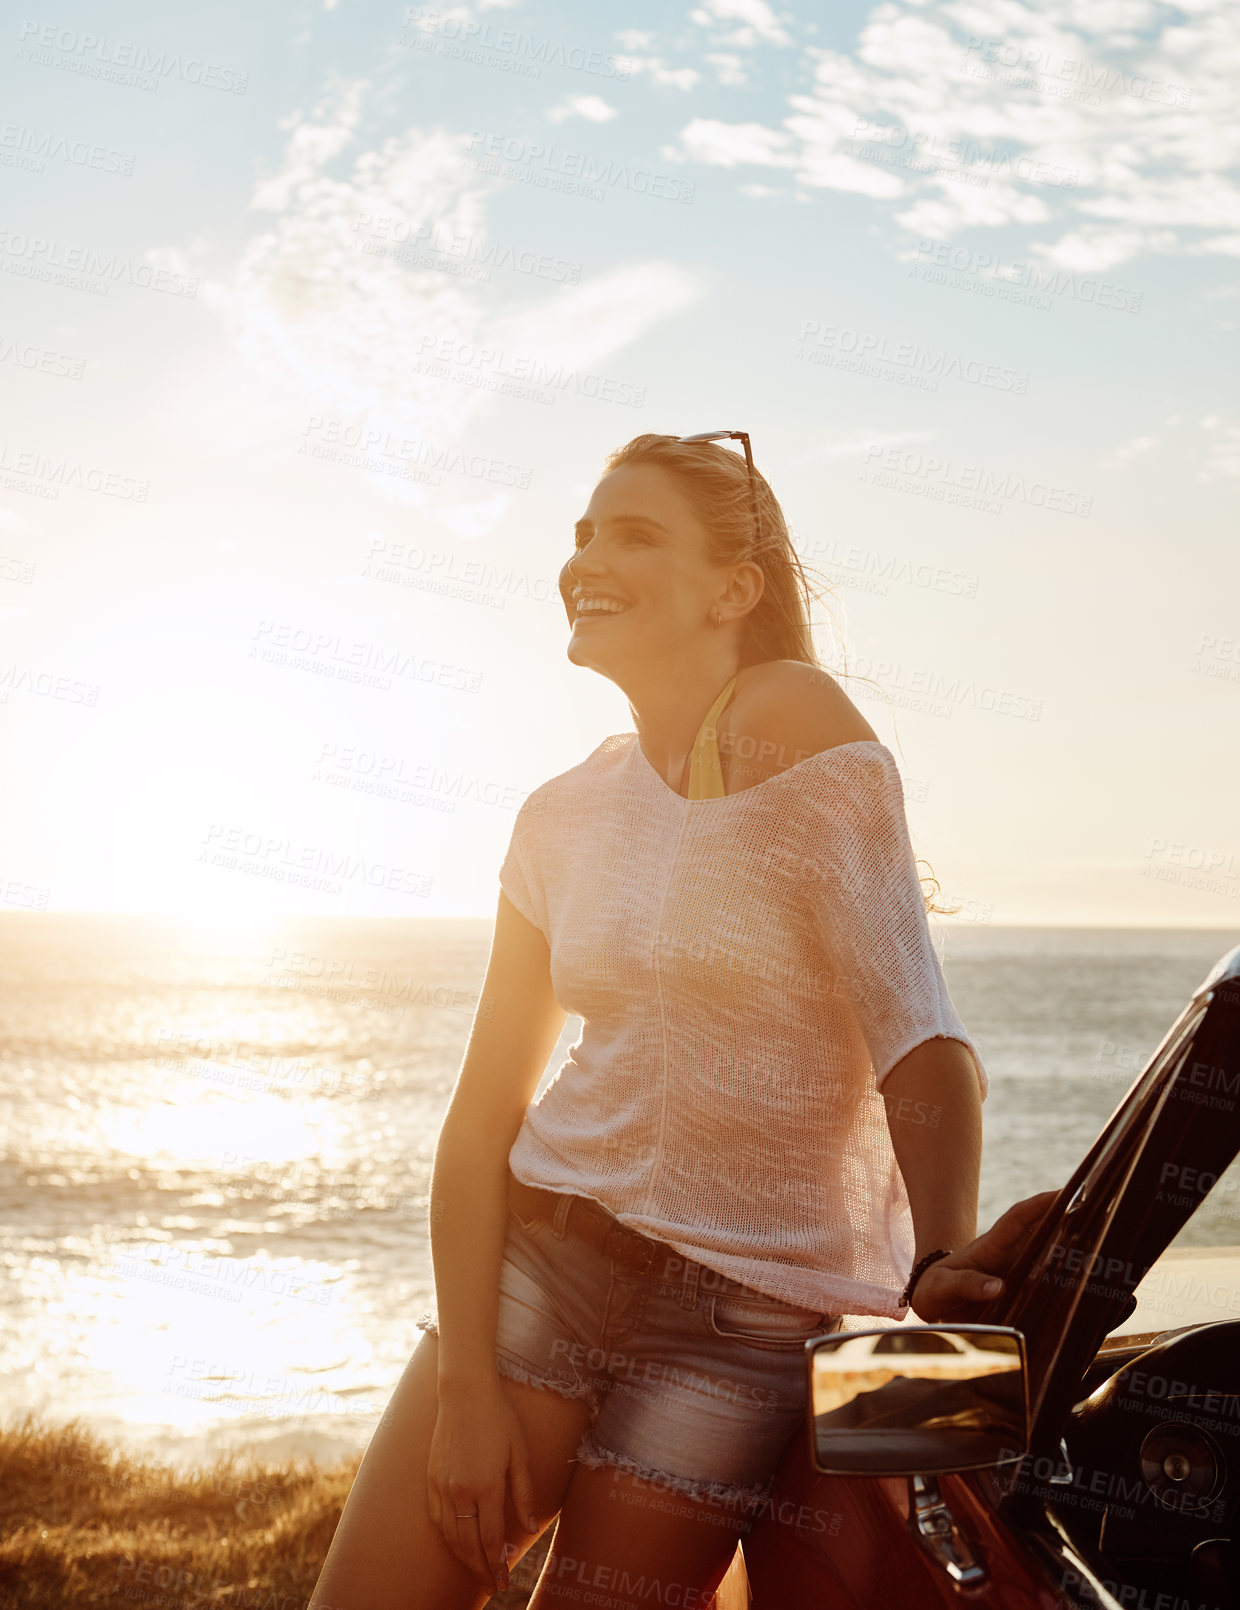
x,y
829,1541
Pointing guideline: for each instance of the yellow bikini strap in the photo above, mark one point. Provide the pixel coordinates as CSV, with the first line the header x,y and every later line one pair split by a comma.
x,y
705,770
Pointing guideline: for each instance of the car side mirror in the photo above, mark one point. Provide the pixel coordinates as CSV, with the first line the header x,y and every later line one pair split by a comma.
x,y
918,1400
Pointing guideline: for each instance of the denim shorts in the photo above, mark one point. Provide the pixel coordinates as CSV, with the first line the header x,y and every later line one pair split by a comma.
x,y
693,1381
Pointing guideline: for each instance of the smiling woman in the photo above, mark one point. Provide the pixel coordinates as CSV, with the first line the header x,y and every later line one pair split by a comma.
x,y
627,1269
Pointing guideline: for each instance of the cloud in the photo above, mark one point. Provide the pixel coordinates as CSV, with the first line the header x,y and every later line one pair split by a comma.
x,y
1093,251
1130,450
1223,460
756,23
1105,133
592,107
723,145
585,323
729,69
337,297
657,70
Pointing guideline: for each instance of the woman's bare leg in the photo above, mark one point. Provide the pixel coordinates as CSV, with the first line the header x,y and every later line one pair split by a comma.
x,y
622,1540
387,1554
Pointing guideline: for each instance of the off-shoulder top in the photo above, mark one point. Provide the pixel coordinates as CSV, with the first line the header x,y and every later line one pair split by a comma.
x,y
748,969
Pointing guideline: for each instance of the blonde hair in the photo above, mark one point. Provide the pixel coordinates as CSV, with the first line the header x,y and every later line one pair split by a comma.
x,y
715,482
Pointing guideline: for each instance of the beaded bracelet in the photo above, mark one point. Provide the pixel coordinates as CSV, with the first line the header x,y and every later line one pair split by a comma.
x,y
919,1269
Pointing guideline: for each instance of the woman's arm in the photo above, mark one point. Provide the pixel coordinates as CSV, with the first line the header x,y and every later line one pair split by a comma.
x,y
477,1442
934,1114
516,1025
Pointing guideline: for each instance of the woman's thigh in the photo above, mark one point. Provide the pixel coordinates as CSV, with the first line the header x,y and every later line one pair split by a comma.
x,y
618,1542
387,1553
705,1384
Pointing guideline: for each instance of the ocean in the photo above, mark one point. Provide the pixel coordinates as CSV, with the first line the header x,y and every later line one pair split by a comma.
x,y
216,1145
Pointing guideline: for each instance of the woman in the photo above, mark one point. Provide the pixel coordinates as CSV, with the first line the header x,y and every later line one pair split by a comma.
x,y
772,1114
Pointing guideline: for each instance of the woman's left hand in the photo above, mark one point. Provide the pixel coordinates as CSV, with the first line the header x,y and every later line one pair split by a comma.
x,y
958,1287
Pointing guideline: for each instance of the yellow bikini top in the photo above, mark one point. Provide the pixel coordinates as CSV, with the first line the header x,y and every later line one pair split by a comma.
x,y
705,771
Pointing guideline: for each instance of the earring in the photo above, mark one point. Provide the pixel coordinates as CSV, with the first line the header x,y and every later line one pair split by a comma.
x,y
715,619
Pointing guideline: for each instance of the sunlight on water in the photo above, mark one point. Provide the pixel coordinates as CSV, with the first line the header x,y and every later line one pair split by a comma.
x,y
215,1145
189,1131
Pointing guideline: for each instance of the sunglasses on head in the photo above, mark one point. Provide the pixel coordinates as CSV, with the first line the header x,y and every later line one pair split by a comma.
x,y
743,437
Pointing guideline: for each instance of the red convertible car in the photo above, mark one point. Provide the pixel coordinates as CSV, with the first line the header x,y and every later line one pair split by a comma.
x,y
1069,1470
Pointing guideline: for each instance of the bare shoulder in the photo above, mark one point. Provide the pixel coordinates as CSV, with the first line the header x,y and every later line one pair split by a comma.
x,y
782,712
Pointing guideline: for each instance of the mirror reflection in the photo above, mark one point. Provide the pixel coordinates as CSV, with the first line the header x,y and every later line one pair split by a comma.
x,y
918,1399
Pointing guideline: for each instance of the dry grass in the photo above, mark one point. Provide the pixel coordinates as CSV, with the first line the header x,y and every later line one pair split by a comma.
x,y
81,1524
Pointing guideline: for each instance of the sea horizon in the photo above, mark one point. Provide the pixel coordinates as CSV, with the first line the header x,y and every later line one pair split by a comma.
x,y
218,1140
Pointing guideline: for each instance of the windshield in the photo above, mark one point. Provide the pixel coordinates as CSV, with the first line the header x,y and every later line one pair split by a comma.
x,y
1114,1217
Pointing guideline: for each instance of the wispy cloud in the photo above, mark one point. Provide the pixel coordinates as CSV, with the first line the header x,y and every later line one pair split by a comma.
x,y
729,69
745,23
724,145
1223,455
658,72
1106,132
1125,454
338,310
592,107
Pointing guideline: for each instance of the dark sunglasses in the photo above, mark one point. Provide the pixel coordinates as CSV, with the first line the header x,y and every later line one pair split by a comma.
x,y
743,437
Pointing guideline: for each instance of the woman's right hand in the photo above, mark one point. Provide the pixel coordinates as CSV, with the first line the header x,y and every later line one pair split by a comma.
x,y
477,1449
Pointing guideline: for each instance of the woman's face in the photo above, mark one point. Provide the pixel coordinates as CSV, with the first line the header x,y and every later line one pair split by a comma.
x,y
640,545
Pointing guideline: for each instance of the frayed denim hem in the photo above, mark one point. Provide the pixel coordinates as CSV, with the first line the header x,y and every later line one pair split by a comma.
x,y
577,1390
745,1502
427,1322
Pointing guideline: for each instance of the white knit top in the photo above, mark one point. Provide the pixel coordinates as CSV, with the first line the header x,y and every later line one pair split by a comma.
x,y
748,970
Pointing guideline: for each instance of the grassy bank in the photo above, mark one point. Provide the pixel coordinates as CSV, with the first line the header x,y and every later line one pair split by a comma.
x,y
83,1524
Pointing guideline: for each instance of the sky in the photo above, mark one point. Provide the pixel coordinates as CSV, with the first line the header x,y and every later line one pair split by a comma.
x,y
320,321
